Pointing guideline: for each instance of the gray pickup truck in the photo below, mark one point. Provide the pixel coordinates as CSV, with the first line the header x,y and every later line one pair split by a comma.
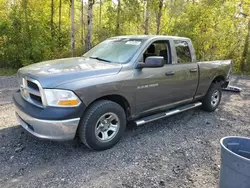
x,y
123,79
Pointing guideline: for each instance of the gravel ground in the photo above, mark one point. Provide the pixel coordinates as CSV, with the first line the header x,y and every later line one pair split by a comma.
x,y
8,84
180,151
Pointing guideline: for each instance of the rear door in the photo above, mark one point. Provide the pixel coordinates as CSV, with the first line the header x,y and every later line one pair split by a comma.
x,y
186,70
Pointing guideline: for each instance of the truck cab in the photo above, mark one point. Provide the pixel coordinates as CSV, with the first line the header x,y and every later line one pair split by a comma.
x,y
173,84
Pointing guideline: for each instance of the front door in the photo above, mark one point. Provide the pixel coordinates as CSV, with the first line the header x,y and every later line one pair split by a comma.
x,y
152,82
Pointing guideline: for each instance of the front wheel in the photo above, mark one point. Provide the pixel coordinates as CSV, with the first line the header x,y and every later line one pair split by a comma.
x,y
213,97
102,125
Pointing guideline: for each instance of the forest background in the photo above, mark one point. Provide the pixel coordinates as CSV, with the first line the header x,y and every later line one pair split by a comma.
x,y
36,30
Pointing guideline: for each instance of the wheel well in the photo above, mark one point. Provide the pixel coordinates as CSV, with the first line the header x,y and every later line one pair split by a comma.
x,y
119,100
219,79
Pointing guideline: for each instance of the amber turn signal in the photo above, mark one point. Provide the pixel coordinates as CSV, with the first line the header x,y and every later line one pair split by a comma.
x,y
74,102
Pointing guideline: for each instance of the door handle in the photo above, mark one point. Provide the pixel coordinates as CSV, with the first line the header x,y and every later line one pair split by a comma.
x,y
193,70
170,73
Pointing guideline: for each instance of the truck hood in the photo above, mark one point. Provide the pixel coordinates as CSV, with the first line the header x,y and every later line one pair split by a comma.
x,y
56,72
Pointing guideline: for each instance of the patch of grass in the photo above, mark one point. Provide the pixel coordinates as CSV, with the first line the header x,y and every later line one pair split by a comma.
x,y
7,71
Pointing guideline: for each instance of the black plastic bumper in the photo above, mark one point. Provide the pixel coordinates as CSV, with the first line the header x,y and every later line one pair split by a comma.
x,y
48,113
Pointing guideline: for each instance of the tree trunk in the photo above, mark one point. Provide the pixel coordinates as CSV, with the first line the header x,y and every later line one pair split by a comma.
x,y
52,19
82,25
147,18
60,19
246,49
158,19
100,14
138,24
24,5
28,40
72,13
90,20
117,30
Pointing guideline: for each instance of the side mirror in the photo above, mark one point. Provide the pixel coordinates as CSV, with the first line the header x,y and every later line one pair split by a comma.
x,y
152,62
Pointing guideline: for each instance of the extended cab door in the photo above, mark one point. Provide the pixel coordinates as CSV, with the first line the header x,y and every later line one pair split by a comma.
x,y
168,86
186,71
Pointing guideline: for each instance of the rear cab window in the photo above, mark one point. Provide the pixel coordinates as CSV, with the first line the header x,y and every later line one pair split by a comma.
x,y
182,51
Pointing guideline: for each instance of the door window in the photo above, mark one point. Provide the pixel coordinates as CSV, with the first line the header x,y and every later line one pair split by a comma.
x,y
158,48
182,52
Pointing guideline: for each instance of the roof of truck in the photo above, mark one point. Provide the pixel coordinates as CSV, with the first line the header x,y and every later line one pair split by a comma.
x,y
146,37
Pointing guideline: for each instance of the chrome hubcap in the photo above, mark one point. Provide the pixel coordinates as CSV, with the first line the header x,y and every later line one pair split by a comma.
x,y
215,98
107,127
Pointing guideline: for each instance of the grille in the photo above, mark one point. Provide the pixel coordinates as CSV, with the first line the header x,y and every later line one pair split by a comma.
x,y
36,98
31,91
32,85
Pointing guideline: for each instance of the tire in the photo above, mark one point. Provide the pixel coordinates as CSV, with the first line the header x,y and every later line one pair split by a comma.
x,y
102,125
213,97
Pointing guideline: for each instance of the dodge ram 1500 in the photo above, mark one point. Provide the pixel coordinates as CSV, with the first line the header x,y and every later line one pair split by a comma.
x,y
122,79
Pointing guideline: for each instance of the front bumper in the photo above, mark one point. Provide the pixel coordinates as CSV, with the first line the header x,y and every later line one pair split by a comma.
x,y
43,124
48,129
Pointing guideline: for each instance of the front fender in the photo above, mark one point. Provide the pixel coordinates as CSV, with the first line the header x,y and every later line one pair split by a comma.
x,y
89,90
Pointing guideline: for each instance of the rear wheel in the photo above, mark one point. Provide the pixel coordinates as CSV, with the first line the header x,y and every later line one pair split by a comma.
x,y
213,97
102,125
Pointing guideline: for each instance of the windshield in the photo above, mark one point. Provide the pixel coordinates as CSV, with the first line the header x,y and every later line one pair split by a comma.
x,y
117,50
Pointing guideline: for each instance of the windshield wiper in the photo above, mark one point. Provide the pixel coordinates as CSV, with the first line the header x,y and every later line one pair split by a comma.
x,y
100,59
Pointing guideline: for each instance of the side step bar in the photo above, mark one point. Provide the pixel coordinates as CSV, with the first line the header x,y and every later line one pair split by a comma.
x,y
166,114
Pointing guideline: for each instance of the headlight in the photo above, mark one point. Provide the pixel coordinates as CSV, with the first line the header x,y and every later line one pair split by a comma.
x,y
61,98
